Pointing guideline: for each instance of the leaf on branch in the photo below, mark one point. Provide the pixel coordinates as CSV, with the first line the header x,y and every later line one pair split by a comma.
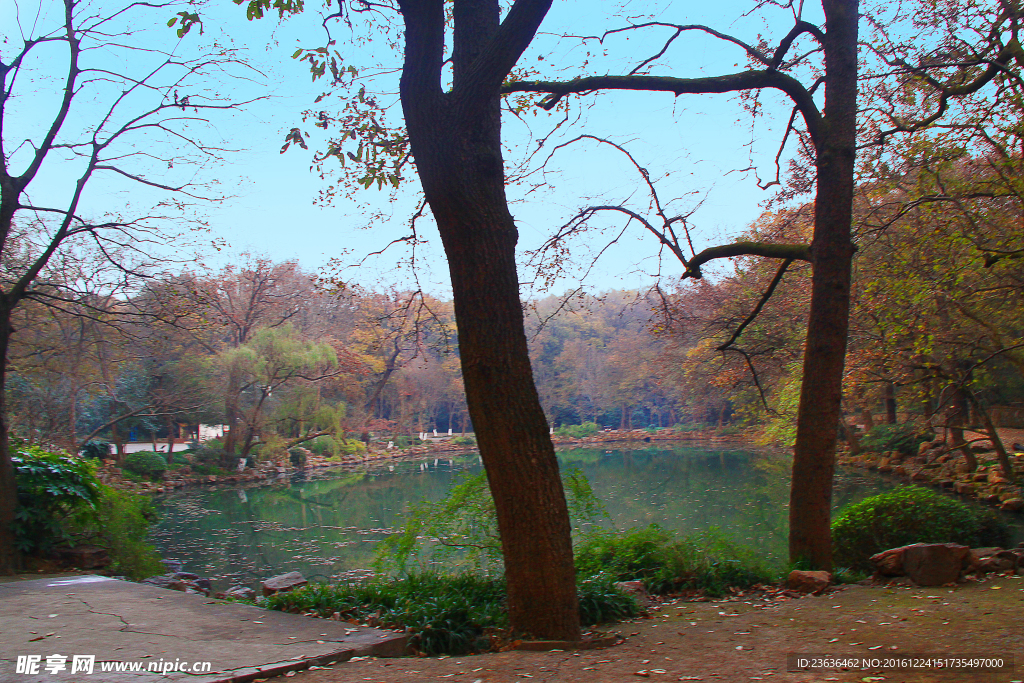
x,y
294,135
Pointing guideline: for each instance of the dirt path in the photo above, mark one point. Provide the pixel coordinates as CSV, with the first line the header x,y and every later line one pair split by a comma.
x,y
748,639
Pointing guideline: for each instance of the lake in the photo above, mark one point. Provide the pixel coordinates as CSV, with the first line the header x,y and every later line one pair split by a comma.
x,y
327,524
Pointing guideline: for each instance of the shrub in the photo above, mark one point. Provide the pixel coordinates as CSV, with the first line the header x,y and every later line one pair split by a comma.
x,y
61,501
463,441
177,459
707,561
52,488
692,427
901,437
466,528
207,459
96,448
121,524
601,602
910,514
578,431
351,447
443,614
146,464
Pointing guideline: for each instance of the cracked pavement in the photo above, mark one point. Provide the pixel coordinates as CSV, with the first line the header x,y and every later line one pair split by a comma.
x,y
119,621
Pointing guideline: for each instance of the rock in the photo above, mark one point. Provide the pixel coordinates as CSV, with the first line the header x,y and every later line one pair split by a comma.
x,y
178,585
162,581
84,557
239,593
187,576
636,590
814,583
934,564
283,582
888,562
920,475
1012,504
977,556
173,566
963,488
996,564
995,476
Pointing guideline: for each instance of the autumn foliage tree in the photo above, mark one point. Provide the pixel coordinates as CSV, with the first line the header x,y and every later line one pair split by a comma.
x,y
914,87
81,96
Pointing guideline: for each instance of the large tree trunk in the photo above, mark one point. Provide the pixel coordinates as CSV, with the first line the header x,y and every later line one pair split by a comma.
x,y
9,557
456,141
828,321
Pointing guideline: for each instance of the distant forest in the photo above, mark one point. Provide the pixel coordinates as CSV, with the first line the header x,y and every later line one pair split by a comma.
x,y
937,330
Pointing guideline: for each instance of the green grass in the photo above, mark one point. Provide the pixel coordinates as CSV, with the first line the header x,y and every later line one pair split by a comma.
x,y
708,561
442,614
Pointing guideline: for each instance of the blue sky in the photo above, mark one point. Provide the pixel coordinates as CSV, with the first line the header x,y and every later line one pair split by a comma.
x,y
693,144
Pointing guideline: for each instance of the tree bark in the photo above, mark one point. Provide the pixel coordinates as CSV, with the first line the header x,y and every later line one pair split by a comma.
x,y
890,404
810,502
231,411
455,138
955,418
10,559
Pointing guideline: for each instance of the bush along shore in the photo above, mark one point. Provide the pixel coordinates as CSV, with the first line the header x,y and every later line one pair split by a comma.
x,y
935,464
144,473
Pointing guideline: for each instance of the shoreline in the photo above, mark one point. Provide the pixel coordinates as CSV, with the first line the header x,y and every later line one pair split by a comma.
x,y
112,475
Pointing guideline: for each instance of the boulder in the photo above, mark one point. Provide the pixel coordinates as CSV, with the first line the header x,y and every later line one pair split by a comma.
x,y
172,565
995,476
814,583
1012,504
162,581
888,562
237,593
920,475
636,590
283,582
934,564
1003,561
963,488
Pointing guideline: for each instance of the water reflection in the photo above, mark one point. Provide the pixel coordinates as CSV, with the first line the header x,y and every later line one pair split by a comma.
x,y
327,525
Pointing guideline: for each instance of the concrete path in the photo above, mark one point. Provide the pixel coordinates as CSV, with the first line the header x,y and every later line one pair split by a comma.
x,y
134,632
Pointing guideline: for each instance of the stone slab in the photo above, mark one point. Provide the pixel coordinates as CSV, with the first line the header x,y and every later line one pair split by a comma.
x,y
130,623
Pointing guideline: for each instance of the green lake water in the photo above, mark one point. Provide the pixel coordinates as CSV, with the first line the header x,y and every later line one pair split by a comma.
x,y
328,524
